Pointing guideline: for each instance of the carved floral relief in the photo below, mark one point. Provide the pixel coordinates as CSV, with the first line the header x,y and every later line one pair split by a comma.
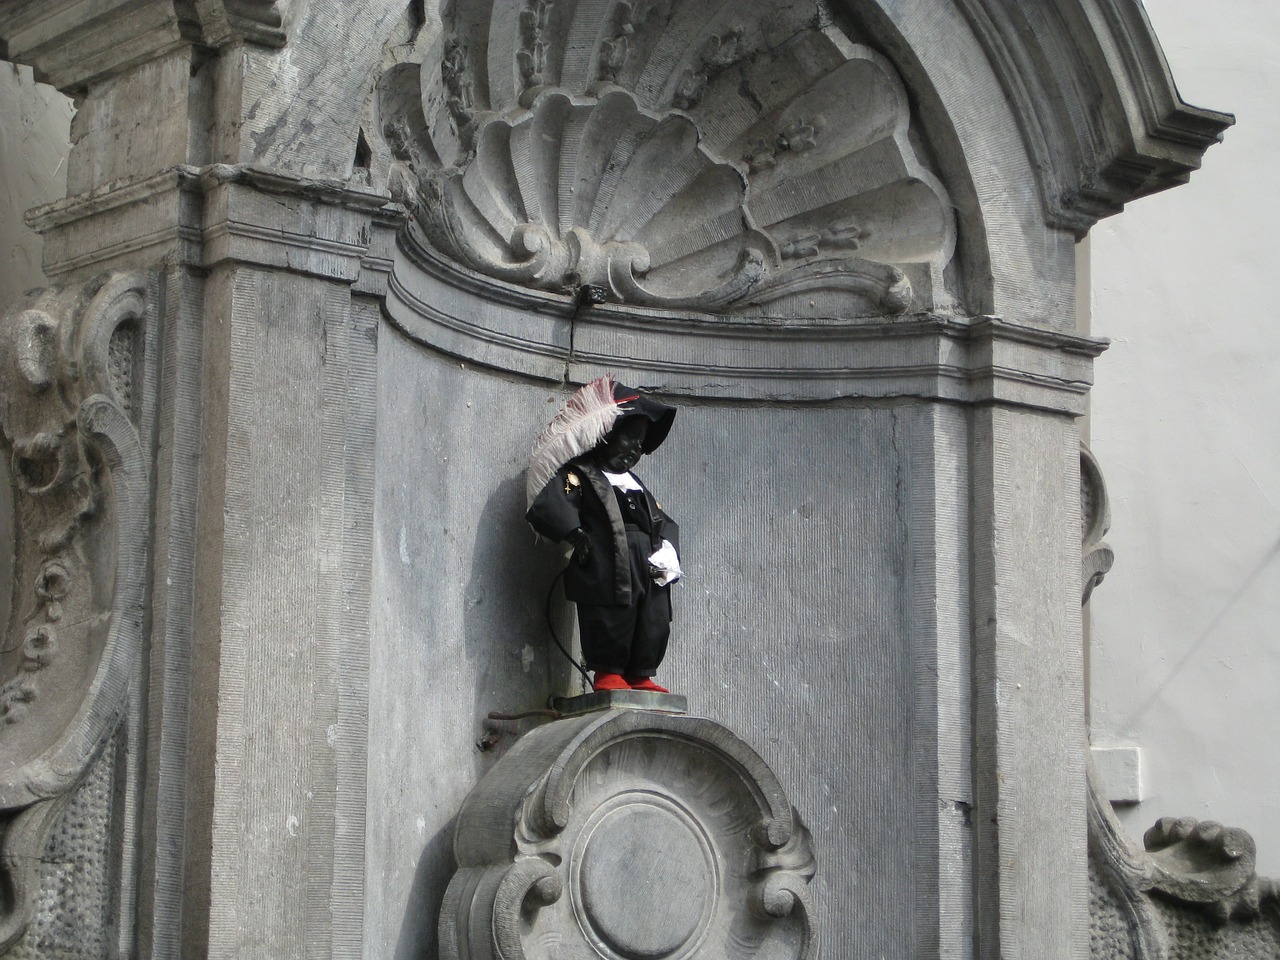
x,y
70,364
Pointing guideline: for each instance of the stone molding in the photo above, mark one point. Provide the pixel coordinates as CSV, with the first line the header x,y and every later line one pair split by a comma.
x,y
1096,103
592,827
206,215
75,376
671,153
70,44
547,337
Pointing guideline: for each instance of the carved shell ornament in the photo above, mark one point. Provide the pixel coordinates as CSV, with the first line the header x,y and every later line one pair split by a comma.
x,y
673,152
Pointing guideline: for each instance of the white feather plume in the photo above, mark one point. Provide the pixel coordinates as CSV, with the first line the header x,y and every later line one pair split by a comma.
x,y
581,424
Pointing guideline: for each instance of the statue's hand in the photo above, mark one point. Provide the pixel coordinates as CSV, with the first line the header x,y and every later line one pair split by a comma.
x,y
581,546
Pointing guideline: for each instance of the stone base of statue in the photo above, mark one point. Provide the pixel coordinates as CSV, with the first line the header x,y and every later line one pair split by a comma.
x,y
627,833
600,700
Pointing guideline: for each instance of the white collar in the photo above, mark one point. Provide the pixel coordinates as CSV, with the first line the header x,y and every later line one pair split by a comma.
x,y
623,481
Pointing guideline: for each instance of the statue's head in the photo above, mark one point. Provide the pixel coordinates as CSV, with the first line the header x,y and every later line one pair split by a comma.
x,y
611,424
623,446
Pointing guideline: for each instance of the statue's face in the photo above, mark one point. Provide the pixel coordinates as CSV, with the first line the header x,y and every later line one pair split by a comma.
x,y
620,450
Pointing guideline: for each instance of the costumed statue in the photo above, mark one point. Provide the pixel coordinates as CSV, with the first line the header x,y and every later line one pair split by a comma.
x,y
581,491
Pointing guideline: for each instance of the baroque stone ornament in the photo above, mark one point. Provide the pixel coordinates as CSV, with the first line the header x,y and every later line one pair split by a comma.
x,y
669,153
629,835
1193,890
1095,521
72,362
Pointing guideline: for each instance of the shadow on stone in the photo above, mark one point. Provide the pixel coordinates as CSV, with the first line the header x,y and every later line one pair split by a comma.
x,y
417,940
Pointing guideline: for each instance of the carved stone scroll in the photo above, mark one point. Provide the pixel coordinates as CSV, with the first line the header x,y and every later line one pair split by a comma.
x,y
1095,521
624,835
71,367
669,155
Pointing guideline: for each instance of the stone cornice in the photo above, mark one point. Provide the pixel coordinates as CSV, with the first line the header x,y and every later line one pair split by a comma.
x,y
1096,102
71,44
207,215
542,335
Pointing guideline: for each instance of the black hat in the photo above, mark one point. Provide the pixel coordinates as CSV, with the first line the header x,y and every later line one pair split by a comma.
x,y
658,415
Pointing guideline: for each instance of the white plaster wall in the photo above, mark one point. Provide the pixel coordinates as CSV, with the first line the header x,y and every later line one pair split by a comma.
x,y
35,122
1186,424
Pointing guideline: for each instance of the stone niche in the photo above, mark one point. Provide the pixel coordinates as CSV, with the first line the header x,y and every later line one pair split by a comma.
x,y
746,209
825,239
272,426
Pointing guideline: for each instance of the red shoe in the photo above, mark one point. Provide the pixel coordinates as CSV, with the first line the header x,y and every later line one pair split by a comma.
x,y
609,681
646,683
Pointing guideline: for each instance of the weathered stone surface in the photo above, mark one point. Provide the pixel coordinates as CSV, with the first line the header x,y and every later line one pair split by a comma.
x,y
882,505
629,834
76,366
72,47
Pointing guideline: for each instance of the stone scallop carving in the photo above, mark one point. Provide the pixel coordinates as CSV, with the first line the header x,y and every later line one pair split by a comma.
x,y
673,153
629,835
71,366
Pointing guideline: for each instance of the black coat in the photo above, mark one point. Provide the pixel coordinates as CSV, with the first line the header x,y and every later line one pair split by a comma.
x,y
579,495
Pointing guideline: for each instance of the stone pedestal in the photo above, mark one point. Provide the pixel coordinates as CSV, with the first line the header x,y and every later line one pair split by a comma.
x,y
629,834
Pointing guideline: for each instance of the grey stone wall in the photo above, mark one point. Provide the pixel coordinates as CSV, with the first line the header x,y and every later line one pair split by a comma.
x,y
779,634
311,580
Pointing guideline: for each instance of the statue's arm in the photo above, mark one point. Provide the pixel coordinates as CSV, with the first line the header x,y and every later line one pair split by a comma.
x,y
555,512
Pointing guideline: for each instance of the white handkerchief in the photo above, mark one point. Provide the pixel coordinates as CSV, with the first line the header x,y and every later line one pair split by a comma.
x,y
666,564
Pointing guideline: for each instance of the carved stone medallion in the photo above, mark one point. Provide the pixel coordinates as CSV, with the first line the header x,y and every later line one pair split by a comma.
x,y
629,836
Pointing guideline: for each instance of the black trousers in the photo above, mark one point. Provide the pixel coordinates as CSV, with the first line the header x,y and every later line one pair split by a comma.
x,y
630,640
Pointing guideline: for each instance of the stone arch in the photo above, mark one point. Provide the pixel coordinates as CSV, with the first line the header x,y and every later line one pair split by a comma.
x,y
1013,130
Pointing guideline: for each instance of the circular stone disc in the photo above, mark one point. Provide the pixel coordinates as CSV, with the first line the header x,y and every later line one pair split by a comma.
x,y
646,881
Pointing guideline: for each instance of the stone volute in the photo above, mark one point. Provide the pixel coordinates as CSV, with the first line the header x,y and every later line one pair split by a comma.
x,y
629,835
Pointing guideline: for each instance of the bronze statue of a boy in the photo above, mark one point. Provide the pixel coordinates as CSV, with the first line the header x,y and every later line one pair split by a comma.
x,y
581,491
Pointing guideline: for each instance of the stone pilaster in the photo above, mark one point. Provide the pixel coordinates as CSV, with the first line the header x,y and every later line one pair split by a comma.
x,y
246,745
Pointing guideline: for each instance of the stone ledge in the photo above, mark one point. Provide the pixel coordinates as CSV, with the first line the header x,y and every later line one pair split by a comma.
x,y
605,700
207,215
543,336
72,44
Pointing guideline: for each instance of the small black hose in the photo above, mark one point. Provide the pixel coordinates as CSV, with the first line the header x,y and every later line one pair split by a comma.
x,y
552,628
